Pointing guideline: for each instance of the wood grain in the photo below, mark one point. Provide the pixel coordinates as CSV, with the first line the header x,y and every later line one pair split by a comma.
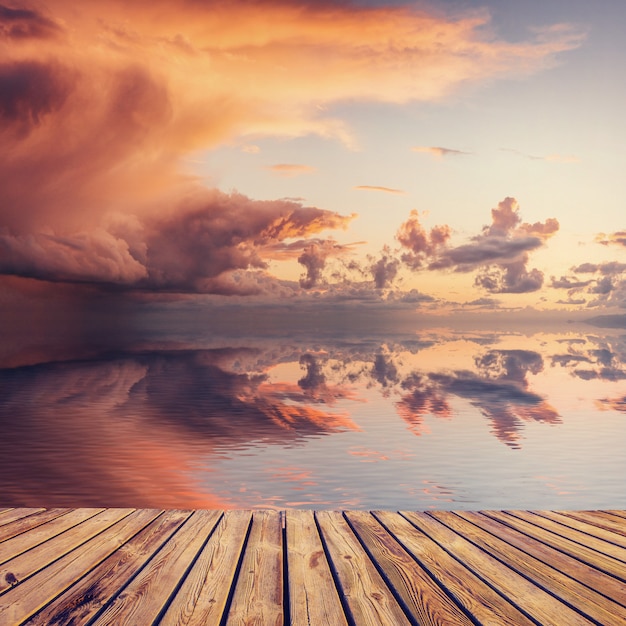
x,y
258,597
203,596
369,599
313,596
141,601
24,524
83,599
577,550
425,600
585,600
573,567
539,604
186,568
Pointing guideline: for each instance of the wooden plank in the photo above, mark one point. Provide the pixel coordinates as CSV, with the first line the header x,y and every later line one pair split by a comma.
x,y
28,563
82,600
313,597
203,596
21,543
24,524
616,513
577,536
369,599
599,519
9,515
577,550
425,600
585,600
593,578
586,527
70,563
258,596
469,591
538,604
149,592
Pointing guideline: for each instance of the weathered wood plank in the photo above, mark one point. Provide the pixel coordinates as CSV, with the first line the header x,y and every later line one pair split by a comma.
x,y
82,600
258,597
65,564
469,591
582,598
148,593
203,596
587,528
9,515
369,599
426,601
313,597
11,548
600,519
587,555
26,564
540,605
593,578
545,521
111,566
29,522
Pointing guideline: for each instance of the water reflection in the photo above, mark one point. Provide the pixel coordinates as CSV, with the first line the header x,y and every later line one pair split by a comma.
x,y
171,426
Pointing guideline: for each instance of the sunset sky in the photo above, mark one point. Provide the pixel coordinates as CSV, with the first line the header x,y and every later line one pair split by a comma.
x,y
441,156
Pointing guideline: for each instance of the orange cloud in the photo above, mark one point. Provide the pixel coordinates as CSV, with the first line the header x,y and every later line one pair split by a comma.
x,y
376,188
101,102
290,169
438,151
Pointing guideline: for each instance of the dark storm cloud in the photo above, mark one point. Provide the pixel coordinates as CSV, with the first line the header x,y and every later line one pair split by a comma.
x,y
29,92
191,250
23,23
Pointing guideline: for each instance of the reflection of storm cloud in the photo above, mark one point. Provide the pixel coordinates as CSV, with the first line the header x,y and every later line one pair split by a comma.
x,y
68,441
121,432
607,362
499,391
196,392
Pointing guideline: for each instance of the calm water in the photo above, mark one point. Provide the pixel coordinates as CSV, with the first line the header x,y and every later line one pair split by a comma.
x,y
432,419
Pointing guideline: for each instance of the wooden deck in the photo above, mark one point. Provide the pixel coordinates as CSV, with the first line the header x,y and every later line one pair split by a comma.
x,y
140,567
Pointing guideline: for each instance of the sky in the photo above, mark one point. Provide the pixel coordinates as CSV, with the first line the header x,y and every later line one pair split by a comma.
x,y
438,156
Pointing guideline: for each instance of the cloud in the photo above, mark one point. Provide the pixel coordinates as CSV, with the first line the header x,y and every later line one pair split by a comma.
x,y
24,24
499,389
439,152
618,238
290,169
383,189
191,250
385,269
608,287
568,282
421,245
500,253
556,158
313,258
102,102
30,92
610,268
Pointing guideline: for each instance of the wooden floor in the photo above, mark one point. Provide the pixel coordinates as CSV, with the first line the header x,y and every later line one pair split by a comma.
x,y
140,567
